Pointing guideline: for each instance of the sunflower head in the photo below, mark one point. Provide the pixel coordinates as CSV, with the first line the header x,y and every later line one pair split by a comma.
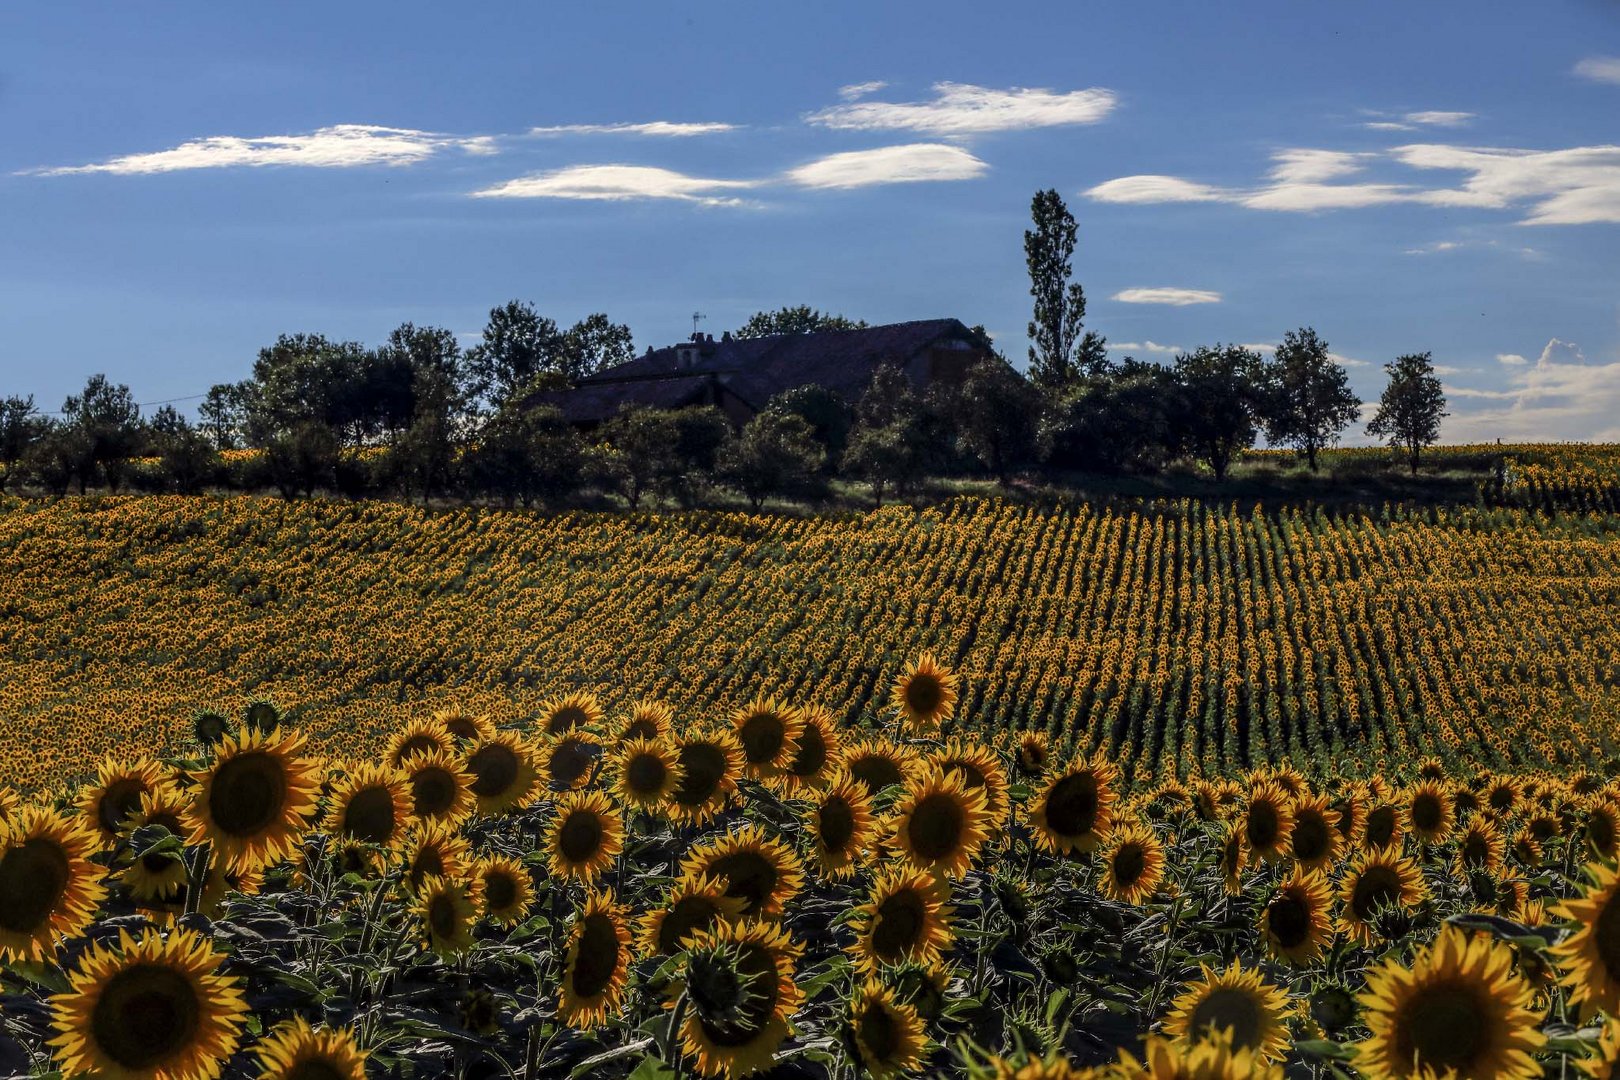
x,y
878,763
769,733
506,888
1233,857
568,760
841,824
979,767
434,850
759,870
597,964
372,805
1268,822
1315,841
738,982
1480,846
887,1033
1075,811
820,750
261,715
584,836
940,824
651,720
710,764
463,726
505,777
571,712
419,736
252,802
1590,956
115,794
209,726
648,771
1295,923
448,909
693,904
1602,826
906,919
440,786
1428,812
49,888
1238,1004
925,693
1378,885
296,1051
1133,864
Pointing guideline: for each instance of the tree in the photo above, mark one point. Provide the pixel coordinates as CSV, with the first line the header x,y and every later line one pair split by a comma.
x,y
827,413
995,411
701,431
304,379
526,455
1411,407
1307,396
775,454
302,458
518,344
224,413
1120,421
640,450
21,426
888,446
419,370
1220,401
107,422
594,343
187,457
795,320
1060,307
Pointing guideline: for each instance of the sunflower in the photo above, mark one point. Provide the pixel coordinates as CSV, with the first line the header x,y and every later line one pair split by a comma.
x,y
769,733
648,771
940,824
441,787
759,869
1074,812
1526,848
224,879
651,720
157,878
1315,841
692,904
879,762
465,726
1602,826
1133,865
252,800
888,1034
1268,823
597,965
925,693
1378,880
978,767
1233,858
372,805
1494,891
841,825
905,919
1464,801
1384,828
584,836
506,888
417,737
567,760
1205,801
1502,794
1458,1010
821,749
1211,1058
1237,1002
1296,924
48,886
1428,813
1032,753
1590,956
116,794
710,765
504,773
151,1008
572,712
296,1051
1481,846
435,850
738,983
448,908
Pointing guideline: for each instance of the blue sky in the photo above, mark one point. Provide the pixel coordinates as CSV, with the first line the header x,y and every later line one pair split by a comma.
x,y
179,183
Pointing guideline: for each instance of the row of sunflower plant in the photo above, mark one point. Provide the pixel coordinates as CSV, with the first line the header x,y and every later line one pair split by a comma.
x,y
629,894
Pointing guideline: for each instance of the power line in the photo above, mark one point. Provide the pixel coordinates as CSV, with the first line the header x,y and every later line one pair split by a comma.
x,y
138,404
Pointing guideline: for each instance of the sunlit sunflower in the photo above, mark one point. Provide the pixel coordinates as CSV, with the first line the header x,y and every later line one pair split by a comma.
x,y
1457,1010
584,836
252,801
738,983
1268,823
979,767
568,760
692,904
1315,842
435,850
116,793
878,763
296,1051
504,774
1602,826
757,868
1235,1001
821,749
906,919
371,804
465,727
1377,880
48,886
1075,811
925,693
151,1008
1604,1064
1133,865
1526,848
888,1034
1502,794
1480,846
1233,858
417,737
1427,812
648,772
1296,923
652,720
1384,827
1205,802
940,824
1211,1058
571,712
448,908
1032,753
506,887
841,825
597,964
769,733
440,786
153,877
1590,957
711,763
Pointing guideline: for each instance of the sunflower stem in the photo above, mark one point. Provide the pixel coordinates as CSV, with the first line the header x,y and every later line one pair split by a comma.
x,y
200,863
666,1048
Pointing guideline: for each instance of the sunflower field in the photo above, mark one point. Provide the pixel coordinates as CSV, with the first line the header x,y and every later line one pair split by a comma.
x,y
640,892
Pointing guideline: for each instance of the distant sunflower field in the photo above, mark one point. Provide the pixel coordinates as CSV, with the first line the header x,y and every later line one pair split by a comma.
x,y
642,891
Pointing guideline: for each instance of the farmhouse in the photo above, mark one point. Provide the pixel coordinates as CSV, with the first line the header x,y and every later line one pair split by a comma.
x,y
739,375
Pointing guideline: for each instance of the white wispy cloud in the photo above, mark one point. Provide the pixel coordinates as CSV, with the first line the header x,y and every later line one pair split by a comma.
x,y
889,165
1435,248
1412,121
1144,347
342,146
1577,186
856,91
668,129
1511,359
1167,295
1559,395
618,183
964,109
1604,69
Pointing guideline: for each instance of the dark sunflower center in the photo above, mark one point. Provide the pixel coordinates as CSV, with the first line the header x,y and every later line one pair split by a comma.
x,y
121,799
580,837
763,737
442,915
899,926
703,765
460,727
33,877
878,1031
598,957
1031,758
936,827
1311,837
433,792
875,771
416,744
836,822
1377,887
315,1069
1289,919
1427,813
1380,826
1443,1027
1230,1009
1500,798
1475,849
1127,865
566,719
495,770
750,877
570,761
1071,805
369,816
1543,828
811,757
685,917
500,891
646,774
1600,831
1262,826
146,1014
1347,817
248,794
924,694
429,862
640,729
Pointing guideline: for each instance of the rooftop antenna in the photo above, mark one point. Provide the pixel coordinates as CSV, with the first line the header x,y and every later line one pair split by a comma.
x,y
696,315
